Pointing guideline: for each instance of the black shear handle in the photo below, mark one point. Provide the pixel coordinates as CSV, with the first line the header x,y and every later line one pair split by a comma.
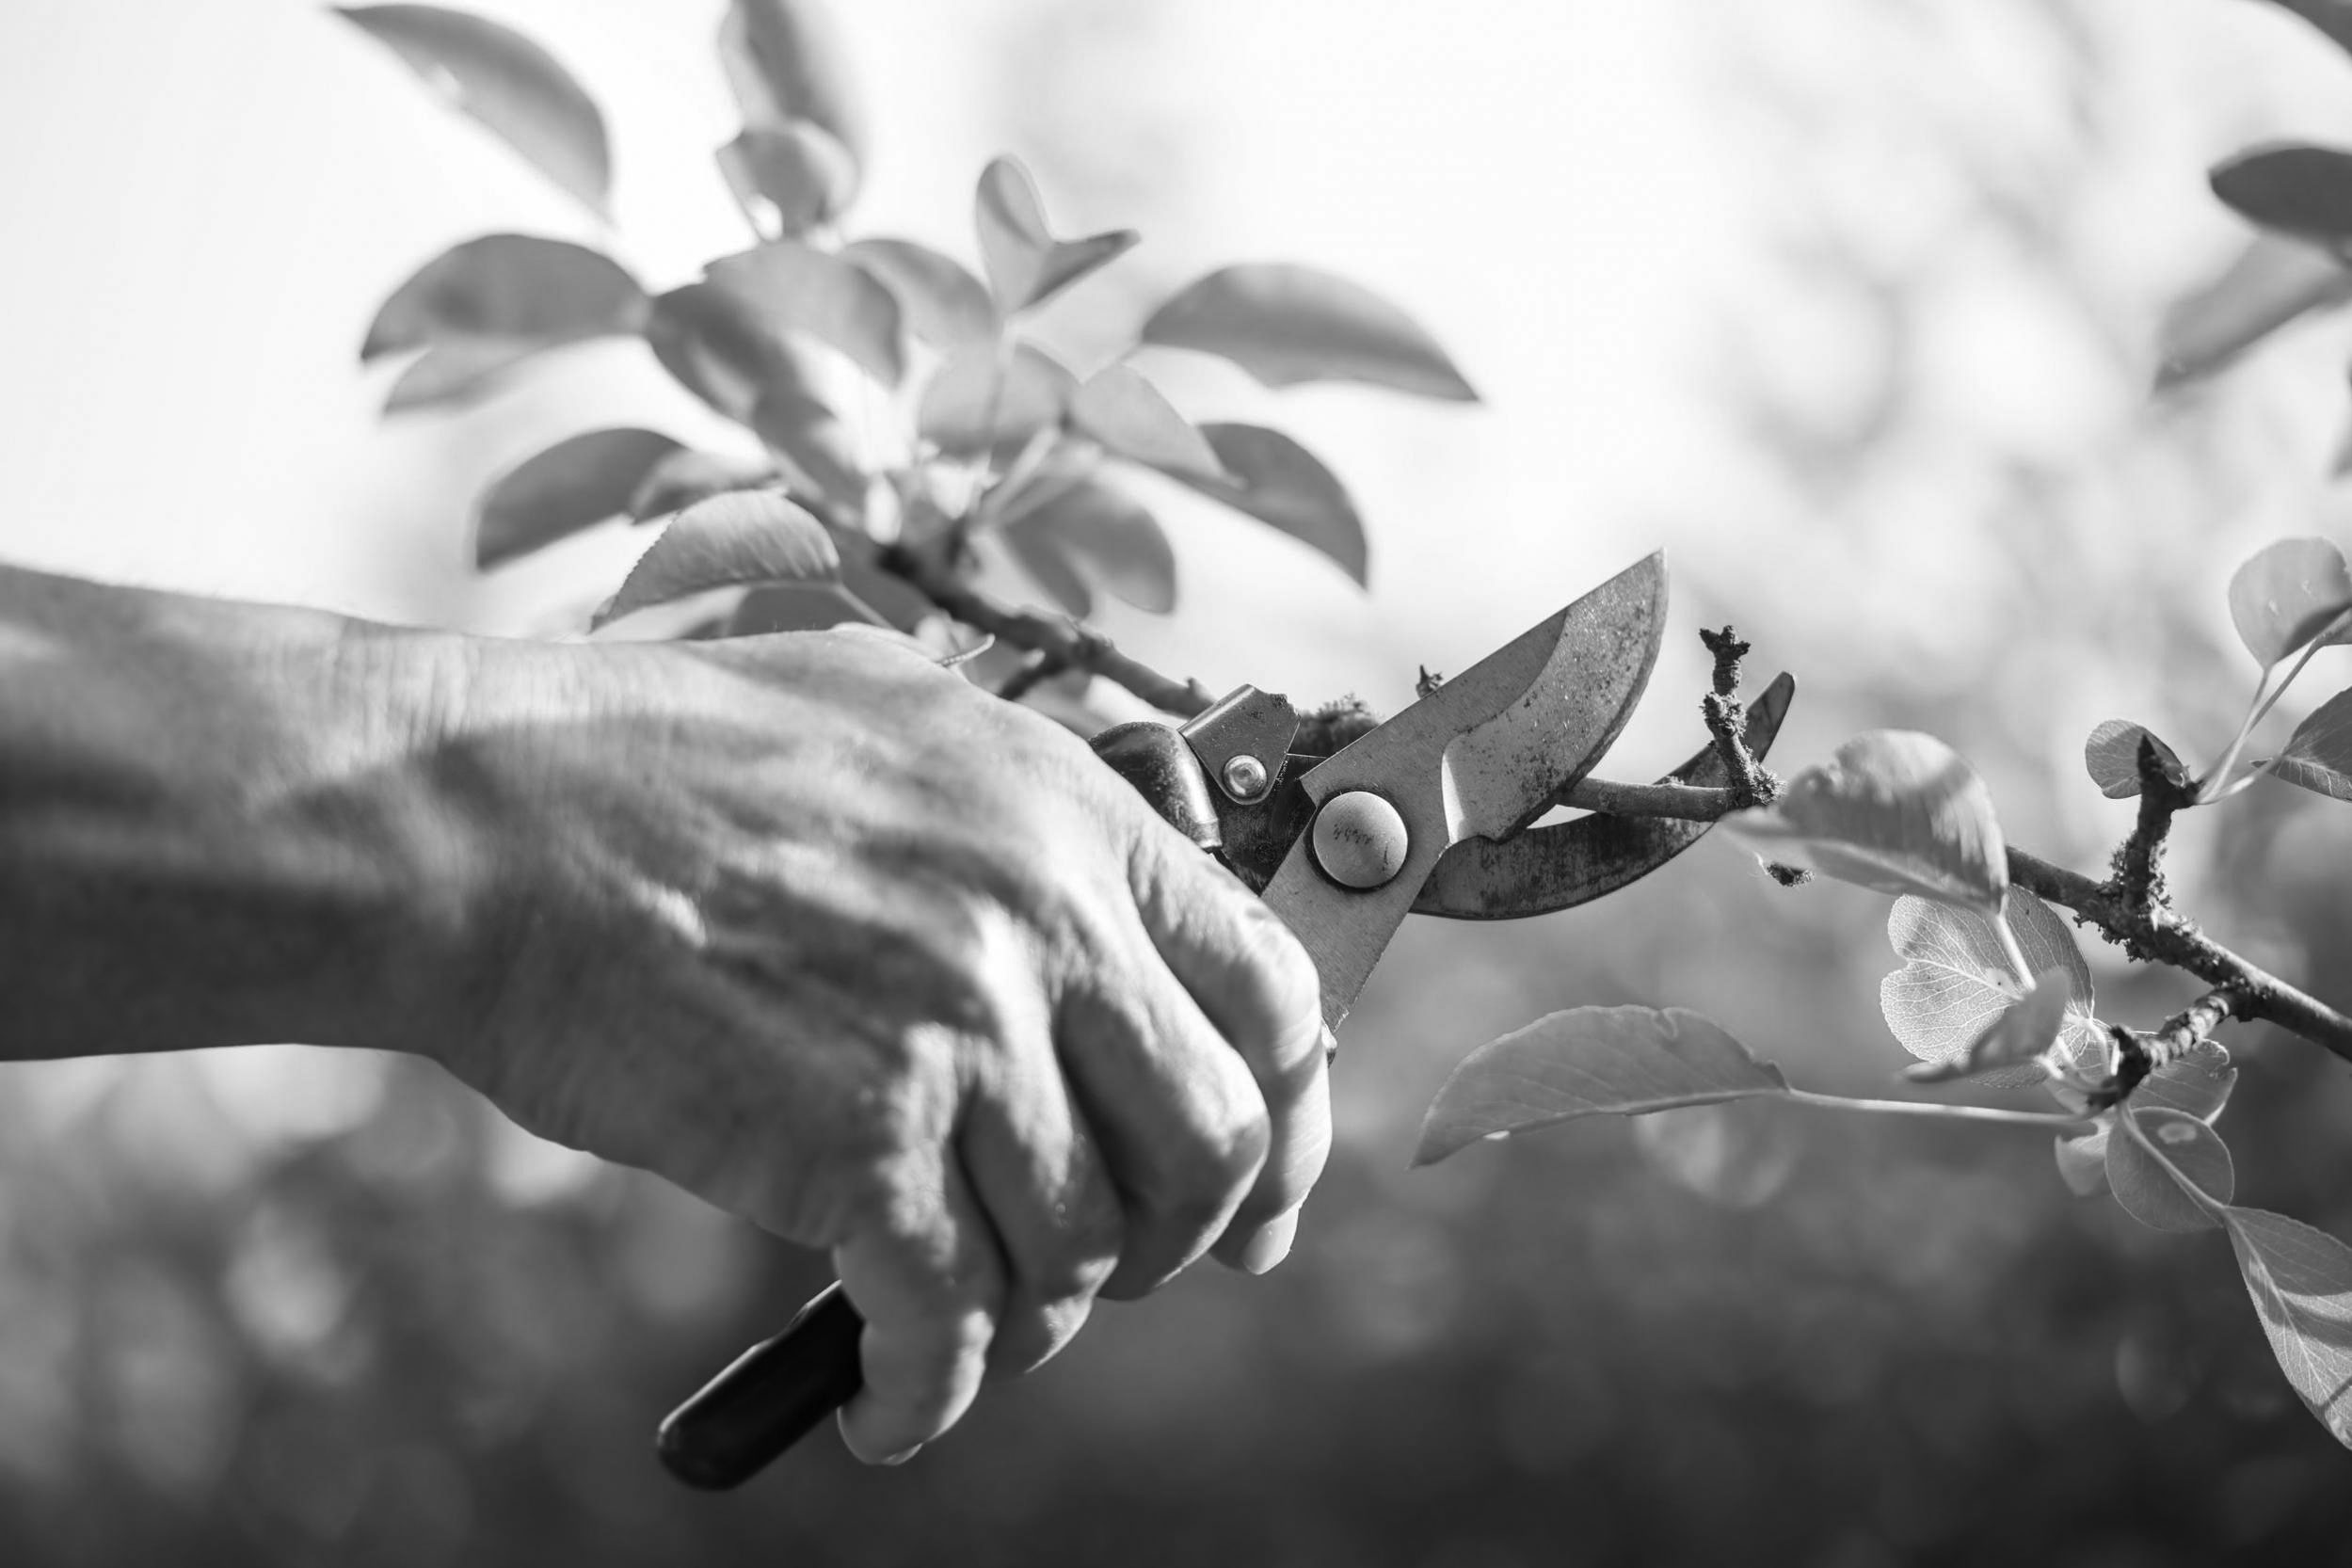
x,y
774,1394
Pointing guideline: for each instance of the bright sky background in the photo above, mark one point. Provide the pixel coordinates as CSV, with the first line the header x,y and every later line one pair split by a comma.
x,y
206,202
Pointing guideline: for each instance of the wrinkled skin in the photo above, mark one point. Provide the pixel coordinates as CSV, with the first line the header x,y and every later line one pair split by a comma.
x,y
842,944
805,923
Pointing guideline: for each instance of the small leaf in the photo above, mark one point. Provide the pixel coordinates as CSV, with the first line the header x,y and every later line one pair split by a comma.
x,y
1106,538
754,537
2285,595
1125,412
1280,483
1893,810
1956,981
2274,280
800,168
2195,1084
508,286
2083,1159
2301,1282
573,485
2318,756
944,305
981,399
797,286
1047,560
2151,1194
784,61
810,437
1286,323
1026,265
800,608
459,370
505,83
2112,756
1591,1061
2293,189
2014,1040
686,477
753,373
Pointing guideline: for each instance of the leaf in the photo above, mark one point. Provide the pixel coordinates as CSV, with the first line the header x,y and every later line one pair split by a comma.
x,y
2285,595
1107,539
1956,982
799,608
573,485
752,536
686,477
2083,1159
1280,483
799,287
1591,1061
2318,756
2275,279
800,168
2152,1193
2014,1040
1050,566
1286,323
784,61
2195,1084
2293,189
1893,810
459,370
2112,756
981,399
1125,412
753,373
2301,1282
1026,265
505,83
508,286
943,304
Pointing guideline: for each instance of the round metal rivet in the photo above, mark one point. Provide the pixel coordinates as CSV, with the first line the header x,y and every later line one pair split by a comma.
x,y
1246,777
1359,840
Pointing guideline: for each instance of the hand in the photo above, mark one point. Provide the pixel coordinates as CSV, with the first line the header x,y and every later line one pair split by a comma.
x,y
824,934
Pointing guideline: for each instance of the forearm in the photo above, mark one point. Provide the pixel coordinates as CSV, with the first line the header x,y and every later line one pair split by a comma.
x,y
214,829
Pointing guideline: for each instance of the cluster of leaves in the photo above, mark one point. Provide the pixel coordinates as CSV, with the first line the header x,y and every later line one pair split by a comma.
x,y
816,522
2299,199
1993,989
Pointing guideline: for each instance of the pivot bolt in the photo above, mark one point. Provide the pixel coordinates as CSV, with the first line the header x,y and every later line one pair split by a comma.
x,y
1244,777
1360,841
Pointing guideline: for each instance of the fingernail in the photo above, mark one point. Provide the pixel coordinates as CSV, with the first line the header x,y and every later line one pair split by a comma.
x,y
1271,1242
903,1455
1331,1045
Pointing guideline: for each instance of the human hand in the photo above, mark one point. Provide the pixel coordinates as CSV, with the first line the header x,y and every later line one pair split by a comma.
x,y
886,966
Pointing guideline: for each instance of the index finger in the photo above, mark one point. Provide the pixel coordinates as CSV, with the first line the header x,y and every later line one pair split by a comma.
x,y
1258,987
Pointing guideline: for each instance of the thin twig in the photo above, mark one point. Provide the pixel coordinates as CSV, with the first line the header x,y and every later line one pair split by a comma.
x,y
1752,782
2161,936
2182,1032
1076,647
1939,1108
2137,877
1034,671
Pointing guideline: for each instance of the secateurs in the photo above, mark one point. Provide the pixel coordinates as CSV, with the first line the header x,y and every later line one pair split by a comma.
x,y
1428,812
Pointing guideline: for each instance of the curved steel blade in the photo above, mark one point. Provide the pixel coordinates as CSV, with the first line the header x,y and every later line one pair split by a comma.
x,y
1482,755
1569,863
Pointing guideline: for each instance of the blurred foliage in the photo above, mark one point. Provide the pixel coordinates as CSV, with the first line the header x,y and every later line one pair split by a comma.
x,y
272,1309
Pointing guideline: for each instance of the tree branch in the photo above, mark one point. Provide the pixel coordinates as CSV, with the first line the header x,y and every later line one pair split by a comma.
x,y
2160,937
2128,909
1073,647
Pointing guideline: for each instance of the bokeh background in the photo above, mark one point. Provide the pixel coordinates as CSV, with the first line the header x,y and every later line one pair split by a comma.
x,y
1850,304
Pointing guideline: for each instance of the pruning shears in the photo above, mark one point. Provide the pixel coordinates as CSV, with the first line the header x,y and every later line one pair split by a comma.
x,y
1426,813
